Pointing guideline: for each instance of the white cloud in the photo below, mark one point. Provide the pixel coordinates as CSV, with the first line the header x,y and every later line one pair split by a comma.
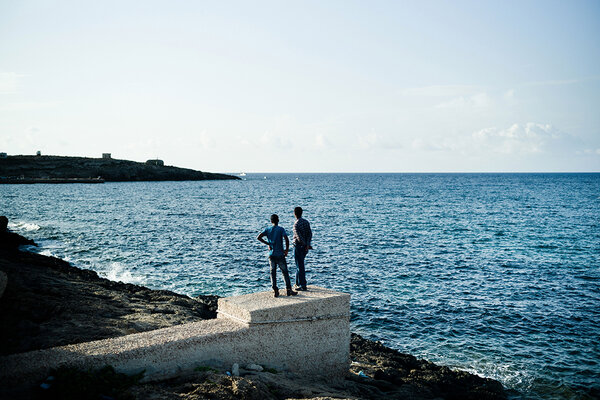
x,y
529,138
321,142
450,144
427,145
26,105
479,100
204,141
9,82
463,97
510,99
560,82
276,141
6,142
518,139
441,91
373,140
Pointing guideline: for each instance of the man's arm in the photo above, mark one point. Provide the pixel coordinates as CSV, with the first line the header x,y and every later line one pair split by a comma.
x,y
298,233
287,246
260,239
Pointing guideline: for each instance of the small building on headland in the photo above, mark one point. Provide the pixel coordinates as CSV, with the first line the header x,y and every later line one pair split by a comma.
x,y
106,155
3,155
157,162
38,153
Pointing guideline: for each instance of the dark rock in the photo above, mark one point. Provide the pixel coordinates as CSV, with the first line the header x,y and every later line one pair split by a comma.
x,y
48,302
427,379
10,241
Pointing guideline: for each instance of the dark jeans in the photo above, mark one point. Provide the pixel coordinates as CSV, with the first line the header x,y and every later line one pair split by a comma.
x,y
299,256
279,261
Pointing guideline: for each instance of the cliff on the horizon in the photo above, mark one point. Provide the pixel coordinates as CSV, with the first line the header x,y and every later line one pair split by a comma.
x,y
109,169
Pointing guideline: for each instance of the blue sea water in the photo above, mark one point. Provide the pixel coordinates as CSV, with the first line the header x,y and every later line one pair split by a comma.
x,y
496,274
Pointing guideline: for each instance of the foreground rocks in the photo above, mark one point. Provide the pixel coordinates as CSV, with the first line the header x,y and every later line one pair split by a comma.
x,y
47,302
377,372
396,375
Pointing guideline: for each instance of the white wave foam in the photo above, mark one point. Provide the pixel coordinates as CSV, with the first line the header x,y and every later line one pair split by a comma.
x,y
117,272
508,375
47,253
23,226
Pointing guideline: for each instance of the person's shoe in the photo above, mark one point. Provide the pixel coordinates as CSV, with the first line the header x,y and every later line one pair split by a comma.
x,y
300,288
276,293
290,292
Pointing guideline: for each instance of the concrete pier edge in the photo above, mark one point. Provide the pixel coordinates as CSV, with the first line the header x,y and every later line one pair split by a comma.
x,y
308,334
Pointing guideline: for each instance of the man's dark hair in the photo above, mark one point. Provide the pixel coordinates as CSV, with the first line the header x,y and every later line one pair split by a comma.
x,y
275,219
298,212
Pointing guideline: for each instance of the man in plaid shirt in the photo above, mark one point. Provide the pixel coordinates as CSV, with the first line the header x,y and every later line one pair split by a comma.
x,y
302,239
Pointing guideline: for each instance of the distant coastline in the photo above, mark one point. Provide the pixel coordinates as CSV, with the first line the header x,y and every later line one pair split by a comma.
x,y
61,169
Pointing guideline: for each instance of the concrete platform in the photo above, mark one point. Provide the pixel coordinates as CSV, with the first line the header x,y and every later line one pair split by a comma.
x,y
308,334
262,308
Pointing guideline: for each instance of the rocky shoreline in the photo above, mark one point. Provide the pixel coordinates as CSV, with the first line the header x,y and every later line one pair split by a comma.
x,y
59,169
47,302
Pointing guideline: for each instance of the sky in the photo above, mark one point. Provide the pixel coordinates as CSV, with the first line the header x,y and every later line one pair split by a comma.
x,y
306,86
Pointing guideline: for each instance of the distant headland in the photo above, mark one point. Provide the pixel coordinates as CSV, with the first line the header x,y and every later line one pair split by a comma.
x,y
61,169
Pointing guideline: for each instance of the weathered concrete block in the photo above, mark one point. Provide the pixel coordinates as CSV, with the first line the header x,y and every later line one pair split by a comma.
x,y
308,334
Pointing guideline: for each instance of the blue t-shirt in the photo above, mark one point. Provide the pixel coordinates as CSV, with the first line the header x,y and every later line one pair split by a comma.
x,y
275,236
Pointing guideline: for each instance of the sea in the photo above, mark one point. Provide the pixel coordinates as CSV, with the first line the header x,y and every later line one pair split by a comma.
x,y
495,274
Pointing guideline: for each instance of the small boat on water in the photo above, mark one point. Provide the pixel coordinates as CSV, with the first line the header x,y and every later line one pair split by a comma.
x,y
243,174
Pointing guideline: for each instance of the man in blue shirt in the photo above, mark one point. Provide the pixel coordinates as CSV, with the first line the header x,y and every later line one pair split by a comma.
x,y
275,235
302,239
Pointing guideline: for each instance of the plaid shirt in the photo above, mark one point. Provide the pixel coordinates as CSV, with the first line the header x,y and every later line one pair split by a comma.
x,y
302,232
